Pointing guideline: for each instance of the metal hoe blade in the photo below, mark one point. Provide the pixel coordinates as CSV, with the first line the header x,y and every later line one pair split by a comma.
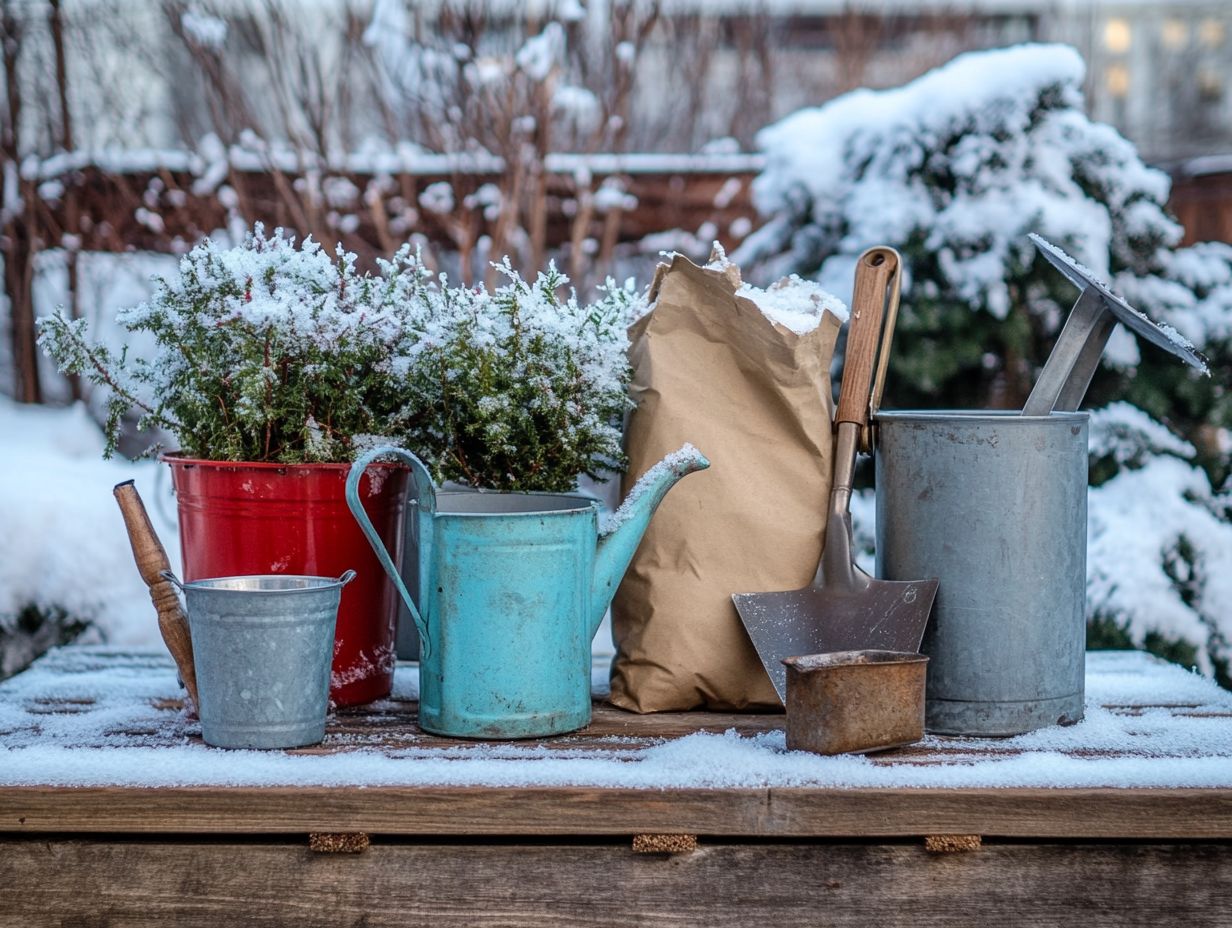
x,y
1068,372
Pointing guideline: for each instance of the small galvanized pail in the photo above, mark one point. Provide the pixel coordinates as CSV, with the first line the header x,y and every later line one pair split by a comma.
x,y
995,506
262,647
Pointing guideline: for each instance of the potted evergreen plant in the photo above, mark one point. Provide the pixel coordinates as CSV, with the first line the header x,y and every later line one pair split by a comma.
x,y
274,365
521,389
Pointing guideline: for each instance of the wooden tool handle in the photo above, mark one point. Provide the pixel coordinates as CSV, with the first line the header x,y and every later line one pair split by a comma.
x,y
873,273
151,558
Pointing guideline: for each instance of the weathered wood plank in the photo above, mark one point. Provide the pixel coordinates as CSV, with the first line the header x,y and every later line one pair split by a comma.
x,y
138,884
781,813
394,724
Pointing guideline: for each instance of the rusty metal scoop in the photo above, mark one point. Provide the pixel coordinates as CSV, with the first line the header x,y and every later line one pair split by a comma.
x,y
1067,374
844,609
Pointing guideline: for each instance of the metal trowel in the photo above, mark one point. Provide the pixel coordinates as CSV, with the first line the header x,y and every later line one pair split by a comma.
x,y
844,609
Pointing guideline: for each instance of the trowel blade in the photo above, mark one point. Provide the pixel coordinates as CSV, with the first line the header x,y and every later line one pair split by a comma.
x,y
886,615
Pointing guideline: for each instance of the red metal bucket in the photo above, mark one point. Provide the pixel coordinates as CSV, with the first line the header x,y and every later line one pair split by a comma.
x,y
257,518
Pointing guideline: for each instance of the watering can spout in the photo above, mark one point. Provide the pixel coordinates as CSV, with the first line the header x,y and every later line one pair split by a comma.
x,y
622,532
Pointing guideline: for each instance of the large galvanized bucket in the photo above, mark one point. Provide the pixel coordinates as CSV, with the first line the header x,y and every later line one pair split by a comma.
x,y
262,647
995,506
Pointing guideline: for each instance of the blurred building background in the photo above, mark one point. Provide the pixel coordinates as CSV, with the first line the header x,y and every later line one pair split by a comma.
x,y
595,132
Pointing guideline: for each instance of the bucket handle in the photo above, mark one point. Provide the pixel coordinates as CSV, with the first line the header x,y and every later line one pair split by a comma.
x,y
347,577
172,579
426,494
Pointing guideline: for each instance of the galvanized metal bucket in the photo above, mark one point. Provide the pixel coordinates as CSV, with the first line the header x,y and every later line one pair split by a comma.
x,y
995,506
262,647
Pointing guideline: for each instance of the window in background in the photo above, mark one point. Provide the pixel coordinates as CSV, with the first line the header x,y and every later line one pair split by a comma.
x,y
1210,85
1116,81
1212,33
1175,34
1118,36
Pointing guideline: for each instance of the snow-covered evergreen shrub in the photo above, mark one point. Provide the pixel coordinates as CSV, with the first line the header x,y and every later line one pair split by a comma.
x,y
521,388
954,169
265,352
1159,545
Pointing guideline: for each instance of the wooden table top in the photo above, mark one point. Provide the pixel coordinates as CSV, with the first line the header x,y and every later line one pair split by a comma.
x,y
94,740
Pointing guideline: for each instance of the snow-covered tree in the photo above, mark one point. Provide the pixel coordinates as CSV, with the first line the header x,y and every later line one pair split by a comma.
x,y
954,169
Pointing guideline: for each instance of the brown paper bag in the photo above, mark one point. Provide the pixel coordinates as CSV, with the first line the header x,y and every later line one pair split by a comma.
x,y
710,368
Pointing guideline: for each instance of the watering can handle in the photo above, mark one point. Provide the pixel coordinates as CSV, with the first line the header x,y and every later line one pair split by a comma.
x,y
426,494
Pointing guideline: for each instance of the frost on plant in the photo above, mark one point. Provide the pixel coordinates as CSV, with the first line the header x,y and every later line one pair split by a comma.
x,y
270,351
276,352
522,388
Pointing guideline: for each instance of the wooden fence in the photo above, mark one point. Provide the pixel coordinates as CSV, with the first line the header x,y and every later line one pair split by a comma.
x,y
162,207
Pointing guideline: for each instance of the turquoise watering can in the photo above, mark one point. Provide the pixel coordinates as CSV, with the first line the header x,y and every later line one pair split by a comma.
x,y
512,588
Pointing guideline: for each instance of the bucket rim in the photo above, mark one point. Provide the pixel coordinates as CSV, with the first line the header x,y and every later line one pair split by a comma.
x,y
976,415
582,503
869,657
176,459
314,584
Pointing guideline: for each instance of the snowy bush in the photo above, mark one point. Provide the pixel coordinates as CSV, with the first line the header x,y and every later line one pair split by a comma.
x,y
521,389
954,169
273,352
1159,545
264,352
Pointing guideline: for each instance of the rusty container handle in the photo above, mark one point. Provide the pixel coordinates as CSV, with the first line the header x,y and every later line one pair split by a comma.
x,y
153,564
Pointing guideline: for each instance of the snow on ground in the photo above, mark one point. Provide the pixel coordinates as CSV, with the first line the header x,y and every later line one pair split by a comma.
x,y
63,543
124,739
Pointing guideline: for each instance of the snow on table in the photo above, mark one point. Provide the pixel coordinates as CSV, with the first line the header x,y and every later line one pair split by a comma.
x,y
98,716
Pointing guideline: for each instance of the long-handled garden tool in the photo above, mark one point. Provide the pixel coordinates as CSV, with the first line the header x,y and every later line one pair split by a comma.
x,y
844,609
152,562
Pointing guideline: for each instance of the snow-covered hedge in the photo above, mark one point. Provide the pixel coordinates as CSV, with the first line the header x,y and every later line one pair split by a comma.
x,y
954,169
1159,549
